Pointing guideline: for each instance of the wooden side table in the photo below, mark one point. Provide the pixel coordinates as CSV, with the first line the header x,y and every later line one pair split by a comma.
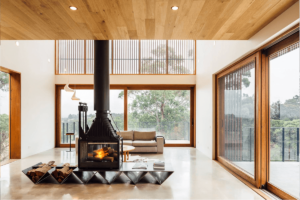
x,y
70,134
126,149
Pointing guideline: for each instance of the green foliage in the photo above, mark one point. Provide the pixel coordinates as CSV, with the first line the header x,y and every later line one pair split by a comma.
x,y
246,82
4,81
4,123
4,137
168,111
156,62
285,118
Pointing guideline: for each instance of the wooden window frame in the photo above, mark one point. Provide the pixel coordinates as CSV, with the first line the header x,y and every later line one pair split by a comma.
x,y
192,88
291,39
253,179
262,151
14,112
56,67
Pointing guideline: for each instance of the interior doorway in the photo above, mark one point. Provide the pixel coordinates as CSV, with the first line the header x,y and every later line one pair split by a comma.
x,y
10,115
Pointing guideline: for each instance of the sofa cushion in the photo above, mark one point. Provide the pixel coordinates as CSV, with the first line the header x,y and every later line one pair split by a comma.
x,y
126,135
127,142
138,135
142,143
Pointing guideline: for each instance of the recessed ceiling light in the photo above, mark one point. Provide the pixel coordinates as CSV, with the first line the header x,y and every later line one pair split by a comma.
x,y
73,8
17,43
49,60
174,7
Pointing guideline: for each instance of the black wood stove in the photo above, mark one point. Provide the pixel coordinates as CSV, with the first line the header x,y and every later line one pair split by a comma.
x,y
99,147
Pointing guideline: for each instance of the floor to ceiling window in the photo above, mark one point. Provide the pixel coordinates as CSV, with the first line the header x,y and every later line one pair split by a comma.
x,y
284,119
237,117
258,117
4,116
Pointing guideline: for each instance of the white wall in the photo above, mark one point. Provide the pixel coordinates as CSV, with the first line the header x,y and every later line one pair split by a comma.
x,y
30,58
212,58
129,79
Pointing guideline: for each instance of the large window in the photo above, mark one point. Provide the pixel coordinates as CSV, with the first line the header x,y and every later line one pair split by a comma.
x,y
169,112
69,111
4,116
285,119
257,117
128,57
237,118
165,111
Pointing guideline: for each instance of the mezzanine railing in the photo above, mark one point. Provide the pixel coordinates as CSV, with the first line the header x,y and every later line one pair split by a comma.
x,y
284,145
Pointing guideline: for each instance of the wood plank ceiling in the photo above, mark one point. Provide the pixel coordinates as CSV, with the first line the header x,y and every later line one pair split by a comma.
x,y
137,19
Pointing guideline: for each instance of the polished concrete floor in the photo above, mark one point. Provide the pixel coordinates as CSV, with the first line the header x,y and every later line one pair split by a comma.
x,y
195,177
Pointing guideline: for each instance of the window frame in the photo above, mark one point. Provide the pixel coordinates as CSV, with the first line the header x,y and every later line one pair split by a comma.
x,y
254,180
56,66
262,151
266,53
192,88
14,113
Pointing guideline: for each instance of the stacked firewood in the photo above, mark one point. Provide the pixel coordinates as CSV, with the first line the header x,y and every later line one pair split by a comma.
x,y
105,153
61,174
36,174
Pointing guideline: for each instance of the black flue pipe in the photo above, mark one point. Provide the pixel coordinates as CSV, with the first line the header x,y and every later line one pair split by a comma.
x,y
101,76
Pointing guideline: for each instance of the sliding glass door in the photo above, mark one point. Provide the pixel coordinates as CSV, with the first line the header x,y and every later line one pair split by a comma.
x,y
237,118
4,117
284,119
257,117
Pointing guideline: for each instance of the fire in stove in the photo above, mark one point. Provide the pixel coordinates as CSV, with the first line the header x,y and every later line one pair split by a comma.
x,y
105,154
101,153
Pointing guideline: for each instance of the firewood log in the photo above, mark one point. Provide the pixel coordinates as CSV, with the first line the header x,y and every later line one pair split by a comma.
x,y
92,154
106,148
31,171
110,151
55,174
115,155
63,171
109,158
41,171
41,165
50,163
69,172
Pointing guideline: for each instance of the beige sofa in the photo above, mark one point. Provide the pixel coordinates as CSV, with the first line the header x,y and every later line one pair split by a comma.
x,y
144,142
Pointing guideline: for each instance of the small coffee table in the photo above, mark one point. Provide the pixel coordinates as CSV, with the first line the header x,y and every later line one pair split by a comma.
x,y
126,149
